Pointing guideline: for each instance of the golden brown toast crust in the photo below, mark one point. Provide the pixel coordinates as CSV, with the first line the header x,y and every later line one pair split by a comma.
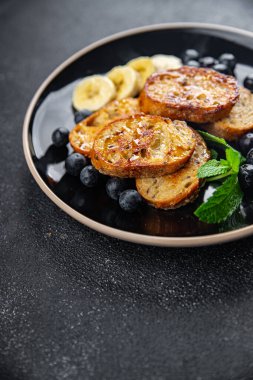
x,y
83,134
194,94
116,109
82,138
238,122
142,146
177,189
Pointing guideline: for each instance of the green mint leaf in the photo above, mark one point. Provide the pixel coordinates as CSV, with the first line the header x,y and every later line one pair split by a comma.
x,y
220,142
223,203
217,140
234,159
213,168
214,154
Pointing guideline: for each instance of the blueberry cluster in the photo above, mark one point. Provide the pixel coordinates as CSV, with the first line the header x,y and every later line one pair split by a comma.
x,y
118,189
246,170
225,64
79,166
245,145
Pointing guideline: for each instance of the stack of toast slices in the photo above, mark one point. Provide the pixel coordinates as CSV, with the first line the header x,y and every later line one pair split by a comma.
x,y
149,138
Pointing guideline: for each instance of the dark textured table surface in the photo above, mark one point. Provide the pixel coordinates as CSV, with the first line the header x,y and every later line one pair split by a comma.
x,y
75,304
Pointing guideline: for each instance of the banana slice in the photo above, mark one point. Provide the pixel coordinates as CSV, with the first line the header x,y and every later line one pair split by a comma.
x,y
93,92
126,81
163,62
144,66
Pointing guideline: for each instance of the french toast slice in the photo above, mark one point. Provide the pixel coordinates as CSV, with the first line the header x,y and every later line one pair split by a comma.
x,y
238,122
177,189
82,137
83,134
193,94
142,146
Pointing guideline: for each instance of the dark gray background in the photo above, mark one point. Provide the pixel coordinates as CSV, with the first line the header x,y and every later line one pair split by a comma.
x,y
79,305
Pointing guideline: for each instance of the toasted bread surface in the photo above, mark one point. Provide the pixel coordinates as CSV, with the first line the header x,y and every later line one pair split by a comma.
x,y
142,146
83,134
82,138
114,110
193,94
177,189
238,122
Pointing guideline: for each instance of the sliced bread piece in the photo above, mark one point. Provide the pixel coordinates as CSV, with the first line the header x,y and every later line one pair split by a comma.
x,y
238,122
177,189
83,134
193,94
142,146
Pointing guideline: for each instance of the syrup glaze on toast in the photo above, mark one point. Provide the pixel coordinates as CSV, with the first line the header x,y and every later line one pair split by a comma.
x,y
142,146
193,94
83,134
238,122
177,189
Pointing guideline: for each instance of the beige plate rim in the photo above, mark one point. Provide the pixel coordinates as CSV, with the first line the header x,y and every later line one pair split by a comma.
x,y
116,233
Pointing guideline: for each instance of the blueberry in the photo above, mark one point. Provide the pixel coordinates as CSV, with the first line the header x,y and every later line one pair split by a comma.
x,y
55,154
246,143
80,115
248,82
74,163
189,55
207,61
228,59
89,176
249,157
247,210
115,186
246,178
60,137
130,200
193,63
222,68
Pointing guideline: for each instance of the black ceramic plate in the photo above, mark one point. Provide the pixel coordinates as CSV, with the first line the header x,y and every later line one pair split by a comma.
x,y
51,108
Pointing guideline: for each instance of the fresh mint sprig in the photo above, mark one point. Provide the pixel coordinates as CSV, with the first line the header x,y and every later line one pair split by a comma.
x,y
223,203
228,196
216,140
213,168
